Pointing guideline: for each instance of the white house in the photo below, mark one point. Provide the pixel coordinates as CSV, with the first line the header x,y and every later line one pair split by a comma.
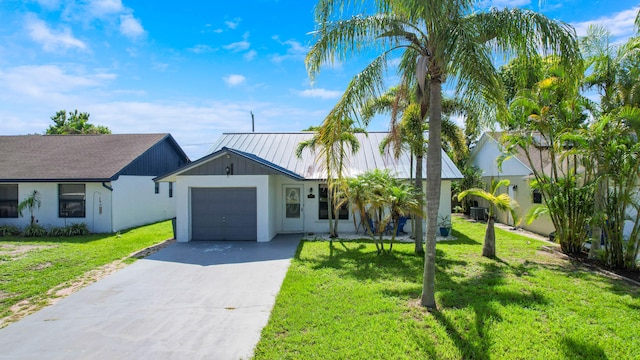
x,y
252,187
518,171
104,181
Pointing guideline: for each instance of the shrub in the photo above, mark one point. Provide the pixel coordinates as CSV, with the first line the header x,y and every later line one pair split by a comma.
x,y
34,230
8,230
70,230
77,229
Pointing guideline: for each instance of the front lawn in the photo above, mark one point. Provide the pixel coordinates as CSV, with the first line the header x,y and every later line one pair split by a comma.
x,y
345,302
33,271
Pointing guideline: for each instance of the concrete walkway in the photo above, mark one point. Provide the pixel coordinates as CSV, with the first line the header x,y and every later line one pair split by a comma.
x,y
197,300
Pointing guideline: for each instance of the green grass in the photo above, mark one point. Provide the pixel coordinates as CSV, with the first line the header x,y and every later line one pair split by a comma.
x,y
31,267
345,302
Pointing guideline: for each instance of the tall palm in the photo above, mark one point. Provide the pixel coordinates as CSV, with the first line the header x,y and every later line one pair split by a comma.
x,y
335,138
496,201
438,39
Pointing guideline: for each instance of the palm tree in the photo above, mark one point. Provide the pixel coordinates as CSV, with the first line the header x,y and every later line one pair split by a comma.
x,y
333,137
30,203
496,201
439,39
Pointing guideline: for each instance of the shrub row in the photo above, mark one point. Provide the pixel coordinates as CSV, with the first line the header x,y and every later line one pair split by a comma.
x,y
36,230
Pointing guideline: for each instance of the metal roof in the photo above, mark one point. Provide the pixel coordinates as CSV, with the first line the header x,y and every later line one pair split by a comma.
x,y
280,149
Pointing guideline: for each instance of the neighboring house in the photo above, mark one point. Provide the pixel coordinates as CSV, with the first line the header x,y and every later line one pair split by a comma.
x,y
518,171
104,181
252,187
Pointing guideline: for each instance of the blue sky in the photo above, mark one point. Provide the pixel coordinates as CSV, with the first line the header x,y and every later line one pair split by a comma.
x,y
191,68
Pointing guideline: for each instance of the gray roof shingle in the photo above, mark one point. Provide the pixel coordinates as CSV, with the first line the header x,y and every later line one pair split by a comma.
x,y
70,157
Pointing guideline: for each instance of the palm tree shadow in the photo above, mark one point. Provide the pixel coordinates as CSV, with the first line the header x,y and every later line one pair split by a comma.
x,y
482,293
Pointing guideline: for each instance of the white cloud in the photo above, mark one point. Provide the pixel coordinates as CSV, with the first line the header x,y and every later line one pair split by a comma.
x,y
201,49
238,46
48,84
234,79
250,55
50,39
232,24
131,27
295,50
102,8
320,93
49,4
619,24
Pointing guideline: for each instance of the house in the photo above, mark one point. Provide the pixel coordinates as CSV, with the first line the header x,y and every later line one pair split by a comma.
x,y
252,186
518,170
104,181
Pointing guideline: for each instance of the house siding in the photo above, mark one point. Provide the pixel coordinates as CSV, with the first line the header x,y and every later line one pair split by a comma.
x,y
135,202
161,158
238,165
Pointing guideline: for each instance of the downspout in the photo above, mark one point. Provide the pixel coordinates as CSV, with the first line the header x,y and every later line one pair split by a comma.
x,y
104,184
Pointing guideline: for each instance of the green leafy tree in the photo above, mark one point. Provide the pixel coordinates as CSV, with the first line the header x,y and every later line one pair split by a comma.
x,y
75,123
437,39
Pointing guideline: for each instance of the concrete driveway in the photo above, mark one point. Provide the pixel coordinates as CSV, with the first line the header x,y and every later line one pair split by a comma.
x,y
197,300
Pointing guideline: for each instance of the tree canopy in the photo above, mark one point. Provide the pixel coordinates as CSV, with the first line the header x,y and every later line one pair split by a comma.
x,y
74,123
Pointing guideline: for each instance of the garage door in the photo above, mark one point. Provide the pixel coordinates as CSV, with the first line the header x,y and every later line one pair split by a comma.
x,y
223,214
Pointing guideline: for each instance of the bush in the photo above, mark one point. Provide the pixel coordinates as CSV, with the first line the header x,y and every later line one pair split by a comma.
x,y
34,230
8,230
71,230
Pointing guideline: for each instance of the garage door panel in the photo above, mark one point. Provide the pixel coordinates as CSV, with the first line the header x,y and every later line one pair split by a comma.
x,y
223,214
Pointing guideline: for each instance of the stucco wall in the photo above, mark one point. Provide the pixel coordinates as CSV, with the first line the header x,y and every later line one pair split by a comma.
x,y
135,202
97,207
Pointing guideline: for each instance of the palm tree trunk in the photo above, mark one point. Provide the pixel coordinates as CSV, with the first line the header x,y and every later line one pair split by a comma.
x,y
418,232
489,247
434,178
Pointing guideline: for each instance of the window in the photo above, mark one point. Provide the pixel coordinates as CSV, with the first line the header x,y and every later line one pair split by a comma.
x,y
9,201
71,200
323,201
157,190
170,189
537,196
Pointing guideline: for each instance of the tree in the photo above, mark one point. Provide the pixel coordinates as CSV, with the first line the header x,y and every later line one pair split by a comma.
x,y
438,39
76,123
333,138
496,201
30,203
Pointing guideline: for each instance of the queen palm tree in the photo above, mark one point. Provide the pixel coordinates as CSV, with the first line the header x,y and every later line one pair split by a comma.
x,y
438,39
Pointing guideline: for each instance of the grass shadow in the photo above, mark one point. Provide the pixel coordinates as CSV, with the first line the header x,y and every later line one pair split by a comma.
x,y
581,349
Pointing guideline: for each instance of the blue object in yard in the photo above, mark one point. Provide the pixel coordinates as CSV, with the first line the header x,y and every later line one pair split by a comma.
x,y
371,227
401,223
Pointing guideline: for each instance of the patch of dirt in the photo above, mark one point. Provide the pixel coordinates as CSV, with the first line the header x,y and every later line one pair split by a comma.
x,y
18,250
29,306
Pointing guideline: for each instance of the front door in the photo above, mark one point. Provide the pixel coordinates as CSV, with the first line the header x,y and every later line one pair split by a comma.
x,y
293,219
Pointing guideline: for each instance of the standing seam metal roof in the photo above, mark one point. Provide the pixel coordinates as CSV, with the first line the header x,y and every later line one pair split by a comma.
x,y
280,148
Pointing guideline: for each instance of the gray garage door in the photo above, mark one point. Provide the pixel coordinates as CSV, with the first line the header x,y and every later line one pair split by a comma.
x,y
223,214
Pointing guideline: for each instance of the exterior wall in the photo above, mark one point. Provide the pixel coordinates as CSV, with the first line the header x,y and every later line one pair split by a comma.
x,y
135,202
182,192
522,195
97,207
485,157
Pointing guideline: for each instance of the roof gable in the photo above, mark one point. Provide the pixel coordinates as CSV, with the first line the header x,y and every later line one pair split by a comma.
x,y
75,157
